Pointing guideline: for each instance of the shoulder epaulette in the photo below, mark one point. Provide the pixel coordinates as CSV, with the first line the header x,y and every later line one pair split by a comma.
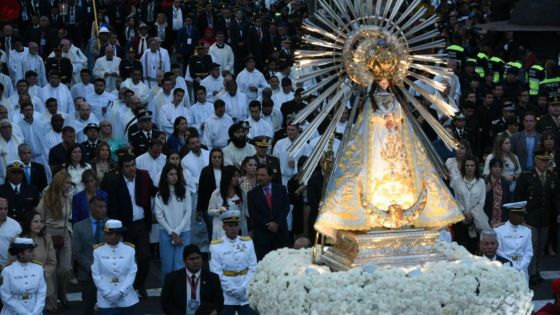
x,y
36,262
135,133
527,226
129,244
499,224
6,265
245,238
218,241
495,121
95,246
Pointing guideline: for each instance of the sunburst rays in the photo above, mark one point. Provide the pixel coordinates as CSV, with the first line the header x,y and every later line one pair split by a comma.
x,y
336,30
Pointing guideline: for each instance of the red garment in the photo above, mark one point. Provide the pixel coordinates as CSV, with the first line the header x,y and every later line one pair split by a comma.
x,y
549,309
9,10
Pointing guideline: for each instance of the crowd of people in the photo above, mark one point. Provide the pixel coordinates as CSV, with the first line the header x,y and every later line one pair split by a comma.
x,y
159,131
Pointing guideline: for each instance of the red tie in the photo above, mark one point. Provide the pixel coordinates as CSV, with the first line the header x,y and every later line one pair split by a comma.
x,y
268,197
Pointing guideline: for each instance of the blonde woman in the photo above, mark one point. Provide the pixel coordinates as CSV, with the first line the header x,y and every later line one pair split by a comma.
x,y
56,208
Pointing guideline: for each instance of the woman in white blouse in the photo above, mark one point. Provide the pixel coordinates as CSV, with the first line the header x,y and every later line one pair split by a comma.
x,y
76,166
173,212
502,150
453,164
226,197
470,193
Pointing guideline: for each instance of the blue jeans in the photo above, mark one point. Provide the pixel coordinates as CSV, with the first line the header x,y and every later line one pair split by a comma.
x,y
240,309
171,255
116,311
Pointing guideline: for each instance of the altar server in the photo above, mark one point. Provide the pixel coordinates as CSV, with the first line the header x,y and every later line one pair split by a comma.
x,y
214,82
33,62
514,238
251,81
234,261
100,100
214,135
54,89
200,111
236,102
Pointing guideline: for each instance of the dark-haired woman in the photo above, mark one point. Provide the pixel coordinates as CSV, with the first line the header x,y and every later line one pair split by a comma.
x,y
227,197
173,213
209,180
497,193
75,166
178,138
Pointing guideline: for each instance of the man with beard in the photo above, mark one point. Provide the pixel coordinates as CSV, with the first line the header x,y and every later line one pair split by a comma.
x,y
238,148
100,99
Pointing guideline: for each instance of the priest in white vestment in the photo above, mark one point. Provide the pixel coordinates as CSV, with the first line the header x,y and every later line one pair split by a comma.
x,y
288,163
15,65
236,102
107,67
238,148
60,92
200,111
85,117
194,162
135,84
8,85
33,62
83,88
257,125
222,54
214,127
8,146
251,81
170,111
100,99
285,95
214,82
153,60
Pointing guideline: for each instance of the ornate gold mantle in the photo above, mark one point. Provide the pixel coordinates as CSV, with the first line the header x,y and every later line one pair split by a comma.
x,y
382,247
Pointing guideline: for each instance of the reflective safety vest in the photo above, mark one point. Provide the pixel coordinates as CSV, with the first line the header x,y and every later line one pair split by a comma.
x,y
456,52
496,66
481,64
512,65
536,75
550,87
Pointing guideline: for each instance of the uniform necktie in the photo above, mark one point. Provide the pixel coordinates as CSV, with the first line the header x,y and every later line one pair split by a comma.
x,y
97,235
149,135
27,171
542,177
268,197
193,287
16,190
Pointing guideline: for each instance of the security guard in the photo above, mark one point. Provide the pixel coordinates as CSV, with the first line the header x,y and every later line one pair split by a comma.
x,y
481,64
541,190
140,139
199,64
536,75
550,86
23,288
262,145
60,65
514,238
496,67
551,120
457,53
89,147
113,272
233,258
128,64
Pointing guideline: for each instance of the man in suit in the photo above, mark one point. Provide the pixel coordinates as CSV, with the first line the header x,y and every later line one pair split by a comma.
x,y
86,234
523,143
262,145
21,196
541,189
268,209
140,138
35,174
130,202
489,247
203,286
187,38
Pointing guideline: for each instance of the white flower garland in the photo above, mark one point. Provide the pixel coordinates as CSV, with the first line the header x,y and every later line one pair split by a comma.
x,y
287,283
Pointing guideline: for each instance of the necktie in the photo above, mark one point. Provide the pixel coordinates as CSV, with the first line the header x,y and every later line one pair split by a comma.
x,y
149,135
27,171
97,235
16,189
543,178
268,197
193,287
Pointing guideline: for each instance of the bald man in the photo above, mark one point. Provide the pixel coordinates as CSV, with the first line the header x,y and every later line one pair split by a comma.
x,y
107,67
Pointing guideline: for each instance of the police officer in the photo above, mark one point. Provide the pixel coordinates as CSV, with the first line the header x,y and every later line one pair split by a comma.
x,y
551,120
113,272
262,145
61,65
514,238
199,65
23,289
551,85
500,125
140,139
541,190
234,260
128,64
89,147
536,74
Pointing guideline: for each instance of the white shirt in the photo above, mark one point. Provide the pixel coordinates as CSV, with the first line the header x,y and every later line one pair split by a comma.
x,y
80,89
177,19
62,94
237,106
154,61
222,56
52,138
282,98
515,244
215,131
141,90
234,155
199,113
100,101
198,283
175,216
102,65
260,128
137,211
8,230
160,99
281,152
153,166
35,63
212,85
167,115
194,164
246,79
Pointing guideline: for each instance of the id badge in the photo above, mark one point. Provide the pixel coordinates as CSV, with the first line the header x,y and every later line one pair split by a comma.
x,y
174,16
189,41
43,42
192,306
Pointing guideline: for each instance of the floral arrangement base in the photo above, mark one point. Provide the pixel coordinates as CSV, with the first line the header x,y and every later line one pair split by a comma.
x,y
382,247
287,283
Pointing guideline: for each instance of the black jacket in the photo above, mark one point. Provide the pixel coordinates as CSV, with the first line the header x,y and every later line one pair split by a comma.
x,y
173,294
19,204
206,185
38,176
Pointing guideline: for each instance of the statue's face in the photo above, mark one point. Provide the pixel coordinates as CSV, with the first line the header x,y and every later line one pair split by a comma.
x,y
384,84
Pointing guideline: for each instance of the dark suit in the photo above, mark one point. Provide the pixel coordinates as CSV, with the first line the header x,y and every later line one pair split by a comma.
x,y
120,208
139,142
206,185
19,204
519,147
88,150
187,37
174,291
205,20
260,213
38,176
82,253
49,36
546,123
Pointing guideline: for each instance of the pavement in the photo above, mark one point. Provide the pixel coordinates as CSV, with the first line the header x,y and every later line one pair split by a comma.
x,y
151,306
